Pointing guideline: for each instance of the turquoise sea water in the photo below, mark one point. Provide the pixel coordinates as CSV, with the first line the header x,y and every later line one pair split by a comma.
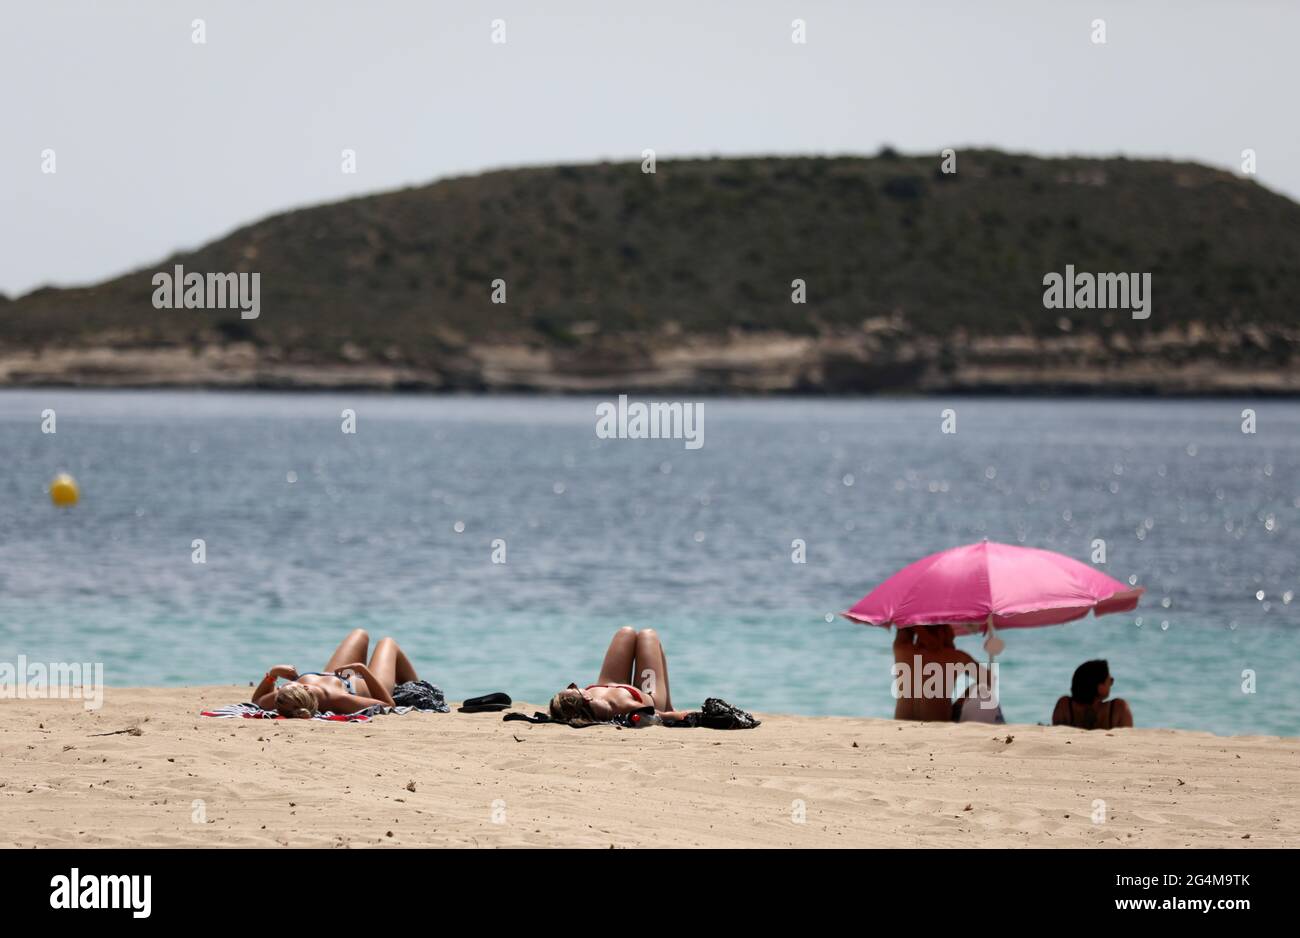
x,y
392,529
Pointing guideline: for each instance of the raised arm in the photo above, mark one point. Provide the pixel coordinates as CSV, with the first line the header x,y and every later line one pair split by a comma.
x,y
266,689
970,664
904,645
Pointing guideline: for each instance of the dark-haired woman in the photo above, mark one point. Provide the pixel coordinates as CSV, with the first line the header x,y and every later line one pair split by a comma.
x,y
1087,707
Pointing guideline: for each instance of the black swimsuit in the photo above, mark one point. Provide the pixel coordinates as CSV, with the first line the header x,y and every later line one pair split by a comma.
x,y
1110,715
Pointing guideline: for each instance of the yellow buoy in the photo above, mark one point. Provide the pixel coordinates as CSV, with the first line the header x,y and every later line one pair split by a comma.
x,y
63,490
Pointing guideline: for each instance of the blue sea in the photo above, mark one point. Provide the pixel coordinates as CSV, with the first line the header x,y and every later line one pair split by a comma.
x,y
310,531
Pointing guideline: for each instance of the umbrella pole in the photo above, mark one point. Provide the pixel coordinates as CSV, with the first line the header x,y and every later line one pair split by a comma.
x,y
993,645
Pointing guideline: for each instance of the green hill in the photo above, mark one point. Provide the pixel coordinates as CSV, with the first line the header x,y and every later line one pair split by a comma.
x,y
682,280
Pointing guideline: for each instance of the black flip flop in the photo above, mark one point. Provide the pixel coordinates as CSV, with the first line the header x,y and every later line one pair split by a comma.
x,y
488,703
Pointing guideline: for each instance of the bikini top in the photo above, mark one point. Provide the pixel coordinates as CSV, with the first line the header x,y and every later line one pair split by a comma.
x,y
347,682
631,690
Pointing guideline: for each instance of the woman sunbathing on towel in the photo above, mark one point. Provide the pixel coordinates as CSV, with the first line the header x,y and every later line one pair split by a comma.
x,y
335,689
632,655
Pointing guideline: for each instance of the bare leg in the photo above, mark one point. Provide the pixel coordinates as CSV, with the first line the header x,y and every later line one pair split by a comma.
x,y
618,659
390,665
351,649
651,668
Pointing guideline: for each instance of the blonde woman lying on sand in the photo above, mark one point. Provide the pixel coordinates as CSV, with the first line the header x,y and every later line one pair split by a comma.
x,y
632,656
334,689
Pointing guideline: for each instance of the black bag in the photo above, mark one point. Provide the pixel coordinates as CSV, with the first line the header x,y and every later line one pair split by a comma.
x,y
420,695
717,714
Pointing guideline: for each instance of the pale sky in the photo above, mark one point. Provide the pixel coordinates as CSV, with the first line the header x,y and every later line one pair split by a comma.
x,y
162,144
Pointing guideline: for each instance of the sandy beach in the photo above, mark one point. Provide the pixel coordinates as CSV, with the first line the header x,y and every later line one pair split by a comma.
x,y
175,779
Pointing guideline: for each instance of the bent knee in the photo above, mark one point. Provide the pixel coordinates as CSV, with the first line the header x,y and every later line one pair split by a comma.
x,y
649,635
626,630
360,633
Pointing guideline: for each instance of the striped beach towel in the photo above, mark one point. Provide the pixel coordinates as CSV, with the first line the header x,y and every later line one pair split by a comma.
x,y
417,697
251,711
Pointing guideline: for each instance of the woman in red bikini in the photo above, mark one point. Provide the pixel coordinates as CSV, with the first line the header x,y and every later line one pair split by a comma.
x,y
633,677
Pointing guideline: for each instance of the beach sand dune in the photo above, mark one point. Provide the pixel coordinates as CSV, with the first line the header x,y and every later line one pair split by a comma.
x,y
473,780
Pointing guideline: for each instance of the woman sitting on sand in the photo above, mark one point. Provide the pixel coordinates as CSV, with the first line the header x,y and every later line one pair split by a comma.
x,y
1086,707
632,655
923,653
334,690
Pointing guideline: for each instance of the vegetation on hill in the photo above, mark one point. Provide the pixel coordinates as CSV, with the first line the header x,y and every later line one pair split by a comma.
x,y
598,253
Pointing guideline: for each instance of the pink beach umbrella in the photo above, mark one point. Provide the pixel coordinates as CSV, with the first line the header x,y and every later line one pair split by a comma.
x,y
988,586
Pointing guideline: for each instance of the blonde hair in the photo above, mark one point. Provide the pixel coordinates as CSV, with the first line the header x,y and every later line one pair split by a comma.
x,y
569,706
296,700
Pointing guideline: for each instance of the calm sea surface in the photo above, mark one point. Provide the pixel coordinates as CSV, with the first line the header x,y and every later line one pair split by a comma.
x,y
310,532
